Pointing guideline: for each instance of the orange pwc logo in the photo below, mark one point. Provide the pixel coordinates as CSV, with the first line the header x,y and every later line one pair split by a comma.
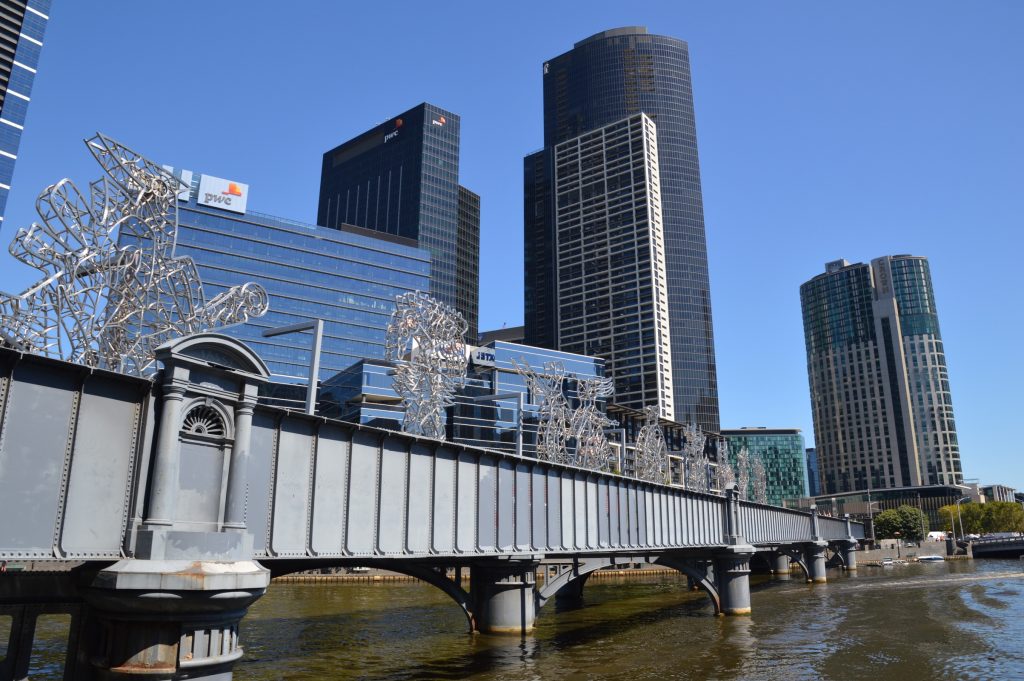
x,y
232,190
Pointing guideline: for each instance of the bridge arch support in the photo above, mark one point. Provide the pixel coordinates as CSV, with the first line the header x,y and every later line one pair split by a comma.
x,y
576,574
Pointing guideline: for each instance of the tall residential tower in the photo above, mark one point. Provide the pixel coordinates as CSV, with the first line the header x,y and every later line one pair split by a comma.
x,y
22,25
880,397
615,252
402,178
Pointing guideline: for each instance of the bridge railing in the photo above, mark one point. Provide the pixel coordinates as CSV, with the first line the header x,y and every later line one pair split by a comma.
x,y
74,443
835,528
764,524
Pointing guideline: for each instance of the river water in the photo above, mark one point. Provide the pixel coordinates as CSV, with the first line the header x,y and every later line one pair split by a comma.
x,y
951,620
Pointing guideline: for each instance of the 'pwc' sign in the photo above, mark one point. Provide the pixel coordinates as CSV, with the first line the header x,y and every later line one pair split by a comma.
x,y
213,191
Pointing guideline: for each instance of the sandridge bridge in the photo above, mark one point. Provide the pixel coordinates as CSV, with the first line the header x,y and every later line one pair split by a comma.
x,y
176,499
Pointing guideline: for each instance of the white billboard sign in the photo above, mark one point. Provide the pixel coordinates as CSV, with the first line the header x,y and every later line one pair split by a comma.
x,y
213,191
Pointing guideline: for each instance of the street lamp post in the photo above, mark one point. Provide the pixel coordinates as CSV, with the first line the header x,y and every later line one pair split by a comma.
x,y
317,327
960,517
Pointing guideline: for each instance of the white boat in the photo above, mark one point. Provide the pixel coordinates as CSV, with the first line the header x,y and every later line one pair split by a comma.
x,y
887,562
930,559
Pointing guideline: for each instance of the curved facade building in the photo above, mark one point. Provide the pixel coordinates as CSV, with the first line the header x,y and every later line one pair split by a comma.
x,y
603,80
880,397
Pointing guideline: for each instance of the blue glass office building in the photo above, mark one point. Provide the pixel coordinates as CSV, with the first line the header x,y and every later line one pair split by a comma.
x,y
402,177
348,277
22,25
604,79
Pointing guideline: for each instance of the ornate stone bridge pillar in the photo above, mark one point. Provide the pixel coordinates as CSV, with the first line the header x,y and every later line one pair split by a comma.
x,y
850,547
171,611
732,566
814,552
503,597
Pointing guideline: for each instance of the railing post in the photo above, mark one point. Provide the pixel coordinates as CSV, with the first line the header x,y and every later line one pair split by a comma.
x,y
732,516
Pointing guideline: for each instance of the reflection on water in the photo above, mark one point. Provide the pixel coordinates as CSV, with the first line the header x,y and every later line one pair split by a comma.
x,y
933,621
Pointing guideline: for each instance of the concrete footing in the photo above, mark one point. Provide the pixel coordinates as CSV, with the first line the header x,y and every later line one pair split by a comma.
x,y
171,619
850,555
503,596
814,556
732,571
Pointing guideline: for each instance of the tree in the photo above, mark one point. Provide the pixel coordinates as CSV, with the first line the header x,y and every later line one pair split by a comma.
x,y
995,516
910,522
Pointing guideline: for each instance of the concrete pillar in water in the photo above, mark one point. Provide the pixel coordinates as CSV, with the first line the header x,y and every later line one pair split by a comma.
x,y
780,565
503,596
733,580
171,619
850,554
814,556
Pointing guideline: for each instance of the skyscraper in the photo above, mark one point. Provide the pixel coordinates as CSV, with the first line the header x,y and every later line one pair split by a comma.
x,y
880,397
22,25
605,80
402,177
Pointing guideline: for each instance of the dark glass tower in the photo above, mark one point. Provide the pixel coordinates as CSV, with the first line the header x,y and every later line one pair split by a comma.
x,y
22,25
602,80
402,178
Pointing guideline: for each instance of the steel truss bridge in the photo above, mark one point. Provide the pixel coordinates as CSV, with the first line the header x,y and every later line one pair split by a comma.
x,y
168,504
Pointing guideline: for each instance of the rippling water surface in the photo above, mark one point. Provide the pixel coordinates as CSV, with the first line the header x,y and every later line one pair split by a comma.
x,y
953,620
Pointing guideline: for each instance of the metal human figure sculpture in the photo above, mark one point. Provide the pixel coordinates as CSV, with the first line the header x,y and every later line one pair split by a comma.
x,y
726,475
105,305
759,481
588,424
548,389
695,458
743,472
651,451
425,340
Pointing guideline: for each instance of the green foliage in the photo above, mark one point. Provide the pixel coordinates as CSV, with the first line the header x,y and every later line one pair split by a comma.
x,y
995,516
910,522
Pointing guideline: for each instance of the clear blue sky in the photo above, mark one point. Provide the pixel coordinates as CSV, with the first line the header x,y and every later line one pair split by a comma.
x,y
826,130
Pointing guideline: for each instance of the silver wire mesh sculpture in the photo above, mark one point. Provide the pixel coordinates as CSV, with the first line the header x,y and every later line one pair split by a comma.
x,y
651,450
726,473
743,472
554,416
695,459
105,305
425,340
759,481
588,424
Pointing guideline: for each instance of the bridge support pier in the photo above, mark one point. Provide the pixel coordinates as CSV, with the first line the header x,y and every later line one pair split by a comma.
x,y
732,572
170,619
850,555
780,564
503,598
814,556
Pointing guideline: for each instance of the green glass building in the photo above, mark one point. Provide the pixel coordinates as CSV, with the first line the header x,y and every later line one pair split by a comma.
x,y
782,451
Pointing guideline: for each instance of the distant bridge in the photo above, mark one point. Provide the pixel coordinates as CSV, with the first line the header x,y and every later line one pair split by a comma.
x,y
180,497
998,547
